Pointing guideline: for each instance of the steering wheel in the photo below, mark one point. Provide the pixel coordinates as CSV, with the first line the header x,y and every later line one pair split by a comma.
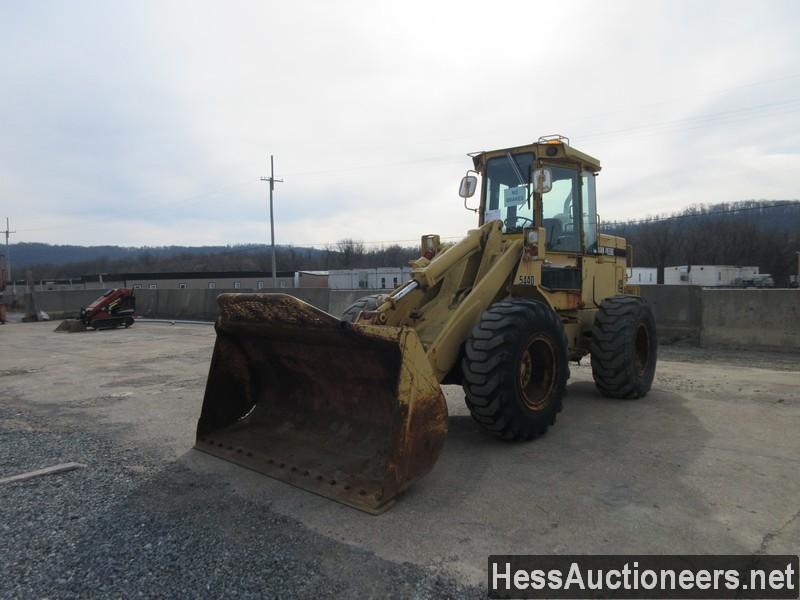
x,y
511,222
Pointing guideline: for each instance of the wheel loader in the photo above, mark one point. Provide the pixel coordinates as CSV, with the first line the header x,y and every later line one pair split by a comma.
x,y
352,408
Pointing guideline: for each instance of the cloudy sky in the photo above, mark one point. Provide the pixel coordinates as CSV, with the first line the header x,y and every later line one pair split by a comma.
x,y
151,122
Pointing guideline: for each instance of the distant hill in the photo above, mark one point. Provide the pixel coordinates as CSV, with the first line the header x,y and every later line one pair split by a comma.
x,y
764,233
67,261
768,215
27,254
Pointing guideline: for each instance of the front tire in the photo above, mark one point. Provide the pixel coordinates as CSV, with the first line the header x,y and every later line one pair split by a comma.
x,y
624,347
515,369
370,302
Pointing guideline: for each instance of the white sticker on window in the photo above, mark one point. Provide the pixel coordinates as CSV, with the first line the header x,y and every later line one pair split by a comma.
x,y
515,196
491,215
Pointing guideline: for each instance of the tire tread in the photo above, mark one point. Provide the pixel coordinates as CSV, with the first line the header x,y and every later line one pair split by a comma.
x,y
612,347
489,378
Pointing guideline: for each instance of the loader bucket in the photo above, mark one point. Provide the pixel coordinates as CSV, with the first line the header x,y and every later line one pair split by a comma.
x,y
350,412
71,326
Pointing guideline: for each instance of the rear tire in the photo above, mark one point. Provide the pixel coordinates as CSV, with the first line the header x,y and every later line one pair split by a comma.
x,y
370,302
515,369
624,347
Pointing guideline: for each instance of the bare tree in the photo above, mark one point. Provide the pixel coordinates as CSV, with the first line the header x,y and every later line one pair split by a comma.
x,y
350,252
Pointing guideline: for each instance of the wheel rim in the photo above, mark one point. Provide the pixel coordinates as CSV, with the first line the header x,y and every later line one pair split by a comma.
x,y
641,355
536,372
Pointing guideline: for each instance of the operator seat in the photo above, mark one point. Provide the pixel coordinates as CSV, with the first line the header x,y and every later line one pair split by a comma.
x,y
553,228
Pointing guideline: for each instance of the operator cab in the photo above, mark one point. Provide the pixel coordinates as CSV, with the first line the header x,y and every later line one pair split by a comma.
x,y
546,184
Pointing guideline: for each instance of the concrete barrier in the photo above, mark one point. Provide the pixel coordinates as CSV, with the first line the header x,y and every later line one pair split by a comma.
x,y
64,304
200,305
677,310
768,319
197,305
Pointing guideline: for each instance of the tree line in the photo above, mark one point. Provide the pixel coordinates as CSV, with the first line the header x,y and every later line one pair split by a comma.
x,y
345,254
762,233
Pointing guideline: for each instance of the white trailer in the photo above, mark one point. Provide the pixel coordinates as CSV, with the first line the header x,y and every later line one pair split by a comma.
x,y
709,275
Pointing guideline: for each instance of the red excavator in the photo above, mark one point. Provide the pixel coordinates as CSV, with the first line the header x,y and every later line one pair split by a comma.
x,y
112,309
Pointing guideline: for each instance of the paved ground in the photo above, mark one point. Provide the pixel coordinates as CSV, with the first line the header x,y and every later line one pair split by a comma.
x,y
707,462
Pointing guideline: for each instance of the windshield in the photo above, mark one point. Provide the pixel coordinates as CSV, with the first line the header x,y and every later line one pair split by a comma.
x,y
508,191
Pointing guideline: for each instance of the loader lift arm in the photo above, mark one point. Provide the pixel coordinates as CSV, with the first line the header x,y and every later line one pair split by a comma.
x,y
498,258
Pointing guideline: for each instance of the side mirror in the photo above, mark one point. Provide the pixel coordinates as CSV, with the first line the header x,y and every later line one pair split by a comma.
x,y
542,180
469,184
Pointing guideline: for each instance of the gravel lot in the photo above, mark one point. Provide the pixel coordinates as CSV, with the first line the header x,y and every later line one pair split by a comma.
x,y
706,463
134,525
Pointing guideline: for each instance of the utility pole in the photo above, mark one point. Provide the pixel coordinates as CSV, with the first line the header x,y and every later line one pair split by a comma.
x,y
8,232
272,182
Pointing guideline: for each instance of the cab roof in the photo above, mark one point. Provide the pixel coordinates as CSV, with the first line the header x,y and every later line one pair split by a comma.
x,y
552,147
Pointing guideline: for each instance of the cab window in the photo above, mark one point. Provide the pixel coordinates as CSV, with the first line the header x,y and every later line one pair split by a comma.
x,y
561,211
509,193
589,212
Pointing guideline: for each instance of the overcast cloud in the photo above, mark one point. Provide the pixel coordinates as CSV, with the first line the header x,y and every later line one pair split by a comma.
x,y
151,123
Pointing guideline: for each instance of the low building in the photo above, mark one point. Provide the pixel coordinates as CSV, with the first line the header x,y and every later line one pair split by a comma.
x,y
380,278
311,279
49,285
225,280
642,276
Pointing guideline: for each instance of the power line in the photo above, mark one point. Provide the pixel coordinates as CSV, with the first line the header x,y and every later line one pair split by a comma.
x,y
701,120
190,199
610,224
394,164
707,94
628,109
653,128
176,202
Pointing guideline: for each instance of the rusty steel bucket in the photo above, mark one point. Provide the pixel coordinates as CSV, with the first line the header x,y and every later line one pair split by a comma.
x,y
350,412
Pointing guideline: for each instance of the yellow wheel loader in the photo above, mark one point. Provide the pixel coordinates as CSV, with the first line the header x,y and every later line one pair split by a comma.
x,y
352,408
